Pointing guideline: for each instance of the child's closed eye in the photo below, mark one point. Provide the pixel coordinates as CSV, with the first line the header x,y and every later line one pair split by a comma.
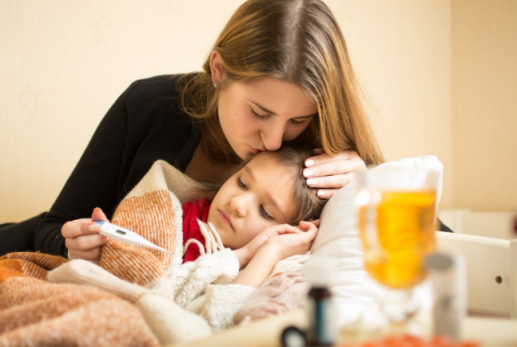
x,y
241,184
264,213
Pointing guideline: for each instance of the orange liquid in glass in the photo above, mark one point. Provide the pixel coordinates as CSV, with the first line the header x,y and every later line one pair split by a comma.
x,y
404,226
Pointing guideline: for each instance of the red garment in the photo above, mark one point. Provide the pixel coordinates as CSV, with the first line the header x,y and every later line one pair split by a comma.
x,y
193,210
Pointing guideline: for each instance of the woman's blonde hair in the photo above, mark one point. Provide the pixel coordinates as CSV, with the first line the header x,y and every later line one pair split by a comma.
x,y
297,41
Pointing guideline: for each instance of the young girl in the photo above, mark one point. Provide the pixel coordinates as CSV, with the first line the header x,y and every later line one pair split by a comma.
x,y
258,217
279,71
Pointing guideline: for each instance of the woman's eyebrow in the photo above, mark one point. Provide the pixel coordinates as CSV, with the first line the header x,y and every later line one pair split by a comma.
x,y
263,108
274,114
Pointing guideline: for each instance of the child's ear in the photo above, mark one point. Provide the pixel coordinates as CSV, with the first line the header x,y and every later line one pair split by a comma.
x,y
216,67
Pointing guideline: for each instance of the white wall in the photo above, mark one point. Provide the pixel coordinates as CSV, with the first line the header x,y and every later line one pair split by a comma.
x,y
485,104
62,64
402,52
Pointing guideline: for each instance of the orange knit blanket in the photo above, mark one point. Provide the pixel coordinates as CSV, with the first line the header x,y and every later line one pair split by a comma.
x,y
34,312
125,301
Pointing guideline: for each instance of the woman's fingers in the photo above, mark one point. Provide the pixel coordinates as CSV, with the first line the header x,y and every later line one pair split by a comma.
x,y
325,165
78,227
320,157
329,173
98,214
82,238
328,186
86,247
83,226
326,194
86,242
336,181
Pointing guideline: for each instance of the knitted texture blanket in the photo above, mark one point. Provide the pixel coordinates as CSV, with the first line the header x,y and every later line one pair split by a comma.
x,y
126,300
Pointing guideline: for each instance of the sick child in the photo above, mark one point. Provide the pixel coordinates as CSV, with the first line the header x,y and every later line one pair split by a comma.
x,y
262,214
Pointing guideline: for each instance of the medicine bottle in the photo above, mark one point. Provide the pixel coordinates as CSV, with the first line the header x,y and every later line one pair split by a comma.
x,y
447,274
321,330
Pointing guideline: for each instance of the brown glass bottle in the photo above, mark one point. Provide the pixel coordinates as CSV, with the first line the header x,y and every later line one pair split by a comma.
x,y
321,326
319,332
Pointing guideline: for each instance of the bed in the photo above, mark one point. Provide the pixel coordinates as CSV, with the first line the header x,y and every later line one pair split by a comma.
x,y
126,299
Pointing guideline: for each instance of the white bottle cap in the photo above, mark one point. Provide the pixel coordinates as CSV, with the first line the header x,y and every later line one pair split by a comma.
x,y
438,261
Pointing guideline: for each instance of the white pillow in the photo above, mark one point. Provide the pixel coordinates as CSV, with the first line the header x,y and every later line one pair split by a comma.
x,y
338,238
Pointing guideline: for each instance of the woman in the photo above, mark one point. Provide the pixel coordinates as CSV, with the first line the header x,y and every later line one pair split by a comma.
x,y
279,71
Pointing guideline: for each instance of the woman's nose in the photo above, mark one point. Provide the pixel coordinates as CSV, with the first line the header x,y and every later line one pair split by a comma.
x,y
272,136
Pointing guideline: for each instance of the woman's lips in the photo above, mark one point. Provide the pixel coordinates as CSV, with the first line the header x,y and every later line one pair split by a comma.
x,y
256,150
225,217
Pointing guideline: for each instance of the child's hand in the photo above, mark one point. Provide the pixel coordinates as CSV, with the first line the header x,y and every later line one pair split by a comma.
x,y
82,237
288,244
287,241
247,252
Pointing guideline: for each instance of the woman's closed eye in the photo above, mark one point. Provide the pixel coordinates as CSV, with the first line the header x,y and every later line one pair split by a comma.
x,y
297,122
258,116
293,121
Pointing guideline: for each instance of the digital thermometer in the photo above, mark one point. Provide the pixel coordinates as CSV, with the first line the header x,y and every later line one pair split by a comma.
x,y
126,236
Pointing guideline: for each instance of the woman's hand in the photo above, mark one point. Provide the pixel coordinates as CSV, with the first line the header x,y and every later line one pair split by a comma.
x,y
330,173
82,237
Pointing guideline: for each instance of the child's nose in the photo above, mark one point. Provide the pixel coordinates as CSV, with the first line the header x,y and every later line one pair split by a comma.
x,y
240,204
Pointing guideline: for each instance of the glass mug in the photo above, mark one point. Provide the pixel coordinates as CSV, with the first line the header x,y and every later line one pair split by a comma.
x,y
397,209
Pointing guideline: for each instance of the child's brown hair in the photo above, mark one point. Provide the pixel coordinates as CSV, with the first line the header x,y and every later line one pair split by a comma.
x,y
306,204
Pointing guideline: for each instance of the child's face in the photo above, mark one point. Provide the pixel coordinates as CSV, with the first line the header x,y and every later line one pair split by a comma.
x,y
256,197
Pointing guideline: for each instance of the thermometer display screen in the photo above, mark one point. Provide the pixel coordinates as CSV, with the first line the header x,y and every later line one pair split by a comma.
x,y
120,232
